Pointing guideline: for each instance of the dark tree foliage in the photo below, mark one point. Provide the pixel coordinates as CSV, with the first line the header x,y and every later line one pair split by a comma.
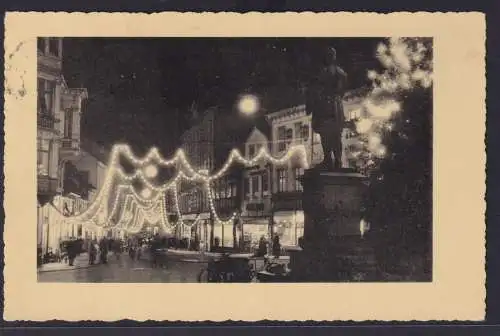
x,y
399,205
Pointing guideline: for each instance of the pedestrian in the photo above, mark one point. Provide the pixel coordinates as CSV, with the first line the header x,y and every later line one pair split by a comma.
x,y
262,249
71,251
103,247
92,251
276,247
117,248
154,252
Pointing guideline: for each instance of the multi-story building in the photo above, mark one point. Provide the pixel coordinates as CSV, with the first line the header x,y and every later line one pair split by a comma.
x,y
207,145
256,202
273,194
70,172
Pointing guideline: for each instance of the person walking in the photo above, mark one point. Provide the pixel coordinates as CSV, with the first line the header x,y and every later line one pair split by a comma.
x,y
276,247
103,247
72,251
92,250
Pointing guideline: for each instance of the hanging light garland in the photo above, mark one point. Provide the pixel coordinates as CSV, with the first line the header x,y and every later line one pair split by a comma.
x,y
95,212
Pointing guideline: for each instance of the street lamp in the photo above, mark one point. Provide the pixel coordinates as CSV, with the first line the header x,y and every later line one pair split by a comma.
x,y
248,104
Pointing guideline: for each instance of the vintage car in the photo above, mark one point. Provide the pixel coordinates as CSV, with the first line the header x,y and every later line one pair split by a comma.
x,y
228,268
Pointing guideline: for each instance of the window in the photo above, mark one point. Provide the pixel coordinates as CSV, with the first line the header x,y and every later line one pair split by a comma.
x,y
251,151
247,185
289,136
282,180
297,126
265,181
43,155
68,124
298,173
255,184
46,94
281,138
54,46
304,132
40,44
232,190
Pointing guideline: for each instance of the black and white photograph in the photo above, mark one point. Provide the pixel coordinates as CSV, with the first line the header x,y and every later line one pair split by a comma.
x,y
234,160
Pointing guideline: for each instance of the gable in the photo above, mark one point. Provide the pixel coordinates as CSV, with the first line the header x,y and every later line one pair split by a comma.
x,y
256,137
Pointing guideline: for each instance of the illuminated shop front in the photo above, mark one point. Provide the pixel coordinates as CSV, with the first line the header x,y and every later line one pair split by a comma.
x,y
289,227
253,230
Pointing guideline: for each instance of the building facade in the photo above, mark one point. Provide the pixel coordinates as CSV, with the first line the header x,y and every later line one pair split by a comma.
x,y
69,172
273,194
207,145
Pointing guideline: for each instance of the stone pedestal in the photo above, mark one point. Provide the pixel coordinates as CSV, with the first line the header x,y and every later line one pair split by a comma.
x,y
332,204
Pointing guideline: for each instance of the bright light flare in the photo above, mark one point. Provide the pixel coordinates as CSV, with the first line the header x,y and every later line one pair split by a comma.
x,y
146,193
151,171
248,104
364,125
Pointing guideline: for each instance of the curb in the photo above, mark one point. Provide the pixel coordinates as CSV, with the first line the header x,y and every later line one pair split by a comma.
x,y
192,261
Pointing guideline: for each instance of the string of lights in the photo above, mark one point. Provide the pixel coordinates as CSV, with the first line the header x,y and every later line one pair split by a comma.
x,y
97,210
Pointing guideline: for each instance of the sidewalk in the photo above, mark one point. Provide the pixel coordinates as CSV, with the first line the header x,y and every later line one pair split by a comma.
x,y
81,261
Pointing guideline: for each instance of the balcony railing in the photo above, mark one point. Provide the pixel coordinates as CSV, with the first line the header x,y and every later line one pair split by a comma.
x,y
69,144
46,121
226,205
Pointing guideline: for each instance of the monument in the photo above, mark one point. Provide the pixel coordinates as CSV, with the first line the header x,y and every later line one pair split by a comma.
x,y
332,195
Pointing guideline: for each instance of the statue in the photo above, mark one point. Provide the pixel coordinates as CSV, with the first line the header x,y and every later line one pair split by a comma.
x,y
324,93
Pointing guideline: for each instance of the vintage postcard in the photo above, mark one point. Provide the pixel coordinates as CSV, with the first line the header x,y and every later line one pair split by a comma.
x,y
225,166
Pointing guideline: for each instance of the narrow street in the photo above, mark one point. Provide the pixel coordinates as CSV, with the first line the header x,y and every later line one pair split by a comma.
x,y
126,270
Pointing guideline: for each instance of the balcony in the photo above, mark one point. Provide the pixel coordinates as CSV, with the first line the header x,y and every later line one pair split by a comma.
x,y
226,206
260,207
69,146
46,121
287,201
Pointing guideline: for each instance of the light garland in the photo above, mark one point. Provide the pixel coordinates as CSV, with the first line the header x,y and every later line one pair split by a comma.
x,y
95,211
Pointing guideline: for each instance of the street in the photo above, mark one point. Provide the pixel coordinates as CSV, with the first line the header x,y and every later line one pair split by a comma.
x,y
126,270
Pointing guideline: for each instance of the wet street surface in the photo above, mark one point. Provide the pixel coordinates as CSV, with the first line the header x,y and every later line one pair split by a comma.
x,y
126,270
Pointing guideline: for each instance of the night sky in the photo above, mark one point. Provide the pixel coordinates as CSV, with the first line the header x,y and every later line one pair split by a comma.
x,y
140,90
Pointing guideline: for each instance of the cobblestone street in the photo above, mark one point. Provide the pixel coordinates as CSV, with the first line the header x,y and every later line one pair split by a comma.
x,y
126,270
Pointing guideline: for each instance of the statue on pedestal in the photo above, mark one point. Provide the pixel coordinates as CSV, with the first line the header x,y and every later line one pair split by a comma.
x,y
324,93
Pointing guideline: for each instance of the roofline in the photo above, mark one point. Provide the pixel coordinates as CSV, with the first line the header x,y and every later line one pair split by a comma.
x,y
283,112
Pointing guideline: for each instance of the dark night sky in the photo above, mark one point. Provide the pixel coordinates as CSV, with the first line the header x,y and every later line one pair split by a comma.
x,y
137,85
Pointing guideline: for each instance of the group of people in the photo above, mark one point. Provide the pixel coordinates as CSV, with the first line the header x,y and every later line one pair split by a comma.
x,y
262,248
138,247
101,249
